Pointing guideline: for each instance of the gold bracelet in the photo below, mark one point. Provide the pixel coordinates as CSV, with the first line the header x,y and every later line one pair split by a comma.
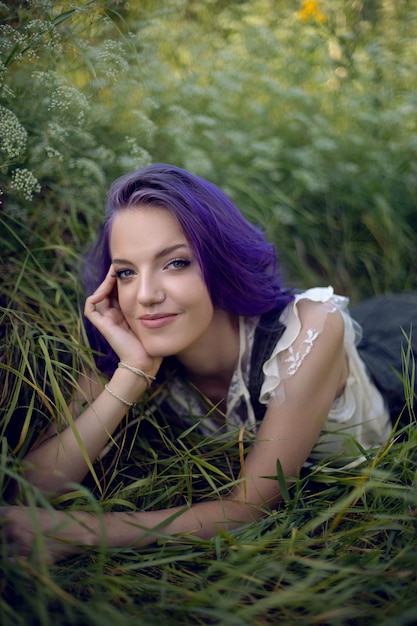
x,y
149,379
116,395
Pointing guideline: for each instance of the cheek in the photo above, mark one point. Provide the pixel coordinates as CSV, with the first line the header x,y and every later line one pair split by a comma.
x,y
204,308
198,296
126,302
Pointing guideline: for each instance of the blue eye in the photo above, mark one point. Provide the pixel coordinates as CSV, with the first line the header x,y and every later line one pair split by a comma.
x,y
122,274
178,264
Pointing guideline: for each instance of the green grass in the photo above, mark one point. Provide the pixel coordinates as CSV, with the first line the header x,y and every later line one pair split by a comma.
x,y
342,550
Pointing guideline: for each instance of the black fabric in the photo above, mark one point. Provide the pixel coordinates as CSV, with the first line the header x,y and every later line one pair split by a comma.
x,y
389,326
267,334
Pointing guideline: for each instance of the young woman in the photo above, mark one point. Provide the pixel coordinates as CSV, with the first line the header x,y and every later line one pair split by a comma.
x,y
187,293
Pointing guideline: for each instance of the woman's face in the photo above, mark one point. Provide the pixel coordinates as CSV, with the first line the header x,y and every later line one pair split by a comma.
x,y
161,290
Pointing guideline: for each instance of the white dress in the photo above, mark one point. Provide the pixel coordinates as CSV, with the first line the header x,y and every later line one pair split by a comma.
x,y
358,420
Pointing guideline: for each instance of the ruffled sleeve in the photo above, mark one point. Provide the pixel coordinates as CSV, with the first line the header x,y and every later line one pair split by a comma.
x,y
358,418
296,342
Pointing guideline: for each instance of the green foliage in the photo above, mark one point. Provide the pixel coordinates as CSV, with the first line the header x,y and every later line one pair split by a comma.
x,y
341,552
59,150
310,126
305,114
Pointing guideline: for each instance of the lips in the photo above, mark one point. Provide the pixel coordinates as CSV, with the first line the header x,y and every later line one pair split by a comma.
x,y
158,320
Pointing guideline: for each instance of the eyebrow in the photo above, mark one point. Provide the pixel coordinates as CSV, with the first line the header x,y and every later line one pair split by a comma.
x,y
159,255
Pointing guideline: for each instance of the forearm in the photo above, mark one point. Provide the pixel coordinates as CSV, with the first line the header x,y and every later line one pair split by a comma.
x,y
62,459
141,528
70,532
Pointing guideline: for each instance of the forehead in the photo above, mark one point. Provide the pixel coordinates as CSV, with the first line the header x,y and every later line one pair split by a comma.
x,y
145,218
145,227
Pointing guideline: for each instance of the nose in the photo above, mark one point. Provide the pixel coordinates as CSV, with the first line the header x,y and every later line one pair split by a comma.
x,y
149,292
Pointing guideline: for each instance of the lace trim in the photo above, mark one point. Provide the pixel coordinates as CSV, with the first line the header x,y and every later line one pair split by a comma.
x,y
297,341
296,358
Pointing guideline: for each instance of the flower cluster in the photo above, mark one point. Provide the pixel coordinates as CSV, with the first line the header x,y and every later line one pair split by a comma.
x,y
52,153
3,70
40,33
12,134
110,59
68,100
25,183
11,42
310,10
57,131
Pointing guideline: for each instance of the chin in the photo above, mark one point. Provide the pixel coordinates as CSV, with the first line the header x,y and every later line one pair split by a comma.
x,y
157,352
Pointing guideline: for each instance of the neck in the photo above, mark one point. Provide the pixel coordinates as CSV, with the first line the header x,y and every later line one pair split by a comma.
x,y
215,356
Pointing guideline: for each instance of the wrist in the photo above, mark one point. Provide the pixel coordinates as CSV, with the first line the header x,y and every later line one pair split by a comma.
x,y
127,385
149,378
149,368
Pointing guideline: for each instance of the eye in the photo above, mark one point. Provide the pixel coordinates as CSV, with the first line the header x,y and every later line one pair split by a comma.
x,y
178,264
123,274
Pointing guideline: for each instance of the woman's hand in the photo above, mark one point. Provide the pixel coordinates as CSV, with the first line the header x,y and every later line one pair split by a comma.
x,y
45,535
103,310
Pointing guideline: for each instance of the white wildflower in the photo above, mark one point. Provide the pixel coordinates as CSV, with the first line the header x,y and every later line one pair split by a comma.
x,y
53,154
12,134
133,145
37,27
141,158
41,31
7,93
104,154
10,41
3,70
58,132
25,183
110,59
45,80
68,100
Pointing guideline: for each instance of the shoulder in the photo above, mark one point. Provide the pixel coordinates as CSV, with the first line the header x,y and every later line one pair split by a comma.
x,y
309,368
317,299
321,333
309,314
318,316
313,338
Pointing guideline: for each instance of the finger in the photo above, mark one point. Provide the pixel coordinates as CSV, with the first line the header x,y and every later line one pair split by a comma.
x,y
102,295
107,286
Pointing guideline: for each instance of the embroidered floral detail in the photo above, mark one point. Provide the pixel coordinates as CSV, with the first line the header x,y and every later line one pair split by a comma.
x,y
295,358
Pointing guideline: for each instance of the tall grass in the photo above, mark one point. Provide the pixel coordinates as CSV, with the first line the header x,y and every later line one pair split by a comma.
x,y
341,551
309,124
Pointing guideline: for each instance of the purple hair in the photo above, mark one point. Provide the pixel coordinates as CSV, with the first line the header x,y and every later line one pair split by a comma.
x,y
238,265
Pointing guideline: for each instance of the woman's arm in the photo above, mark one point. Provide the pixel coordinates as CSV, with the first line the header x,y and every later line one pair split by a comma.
x,y
288,433
63,457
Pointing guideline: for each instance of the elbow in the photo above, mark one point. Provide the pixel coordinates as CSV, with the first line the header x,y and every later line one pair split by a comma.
x,y
239,513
